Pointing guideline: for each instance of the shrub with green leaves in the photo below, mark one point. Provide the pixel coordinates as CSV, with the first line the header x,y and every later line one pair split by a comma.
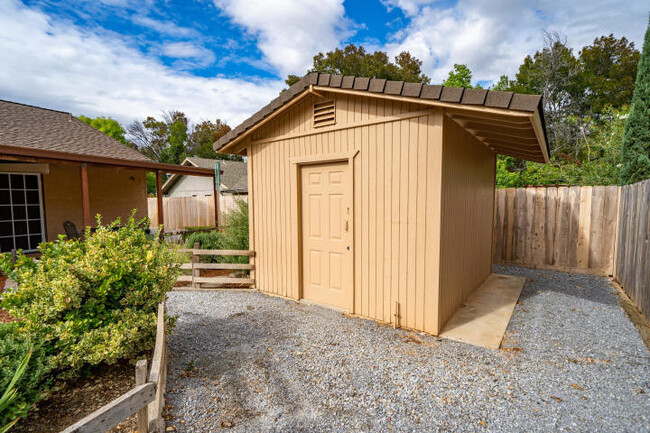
x,y
234,236
15,345
93,301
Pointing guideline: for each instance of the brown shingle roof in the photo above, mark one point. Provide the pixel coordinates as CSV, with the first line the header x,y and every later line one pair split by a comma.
x,y
231,172
32,127
456,95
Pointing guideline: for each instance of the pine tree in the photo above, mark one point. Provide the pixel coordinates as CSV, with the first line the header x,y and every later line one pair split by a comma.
x,y
635,151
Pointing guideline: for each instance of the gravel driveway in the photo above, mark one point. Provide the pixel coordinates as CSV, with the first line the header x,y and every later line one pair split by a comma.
x,y
247,362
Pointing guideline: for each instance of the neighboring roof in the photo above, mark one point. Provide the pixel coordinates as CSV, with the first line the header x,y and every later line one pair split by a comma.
x,y
231,171
41,128
35,132
463,98
240,187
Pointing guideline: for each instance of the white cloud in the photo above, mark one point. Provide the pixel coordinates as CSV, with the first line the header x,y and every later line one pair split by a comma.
x,y
56,65
493,38
290,33
164,27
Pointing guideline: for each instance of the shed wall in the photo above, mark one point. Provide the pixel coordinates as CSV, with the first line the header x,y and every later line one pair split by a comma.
x,y
396,187
468,172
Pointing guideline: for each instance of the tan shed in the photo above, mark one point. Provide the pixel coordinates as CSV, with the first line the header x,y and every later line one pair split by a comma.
x,y
377,197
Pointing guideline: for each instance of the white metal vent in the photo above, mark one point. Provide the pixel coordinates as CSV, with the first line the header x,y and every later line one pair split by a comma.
x,y
324,113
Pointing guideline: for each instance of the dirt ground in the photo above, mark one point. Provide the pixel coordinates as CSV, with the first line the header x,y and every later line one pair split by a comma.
x,y
79,398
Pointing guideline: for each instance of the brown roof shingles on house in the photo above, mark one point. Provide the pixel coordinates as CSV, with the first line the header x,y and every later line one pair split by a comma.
x,y
38,128
455,95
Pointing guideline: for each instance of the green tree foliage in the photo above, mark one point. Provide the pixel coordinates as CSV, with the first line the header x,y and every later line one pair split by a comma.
x,y
636,140
582,95
94,301
161,140
354,60
203,136
108,126
609,67
460,76
599,165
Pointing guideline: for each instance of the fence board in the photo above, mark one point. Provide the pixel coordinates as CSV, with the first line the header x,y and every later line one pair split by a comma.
x,y
633,249
182,212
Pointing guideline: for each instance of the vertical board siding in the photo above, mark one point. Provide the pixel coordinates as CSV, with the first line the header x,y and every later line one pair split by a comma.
x,y
396,190
633,248
468,169
557,227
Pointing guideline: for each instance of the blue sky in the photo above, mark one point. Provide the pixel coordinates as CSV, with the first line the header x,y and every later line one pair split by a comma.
x,y
227,58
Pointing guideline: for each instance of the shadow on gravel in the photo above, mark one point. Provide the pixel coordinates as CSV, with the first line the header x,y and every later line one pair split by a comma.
x,y
589,287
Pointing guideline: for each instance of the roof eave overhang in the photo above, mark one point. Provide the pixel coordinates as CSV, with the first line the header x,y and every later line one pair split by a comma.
x,y
29,154
534,118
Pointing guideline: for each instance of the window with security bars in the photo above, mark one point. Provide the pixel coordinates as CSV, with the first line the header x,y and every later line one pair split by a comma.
x,y
21,212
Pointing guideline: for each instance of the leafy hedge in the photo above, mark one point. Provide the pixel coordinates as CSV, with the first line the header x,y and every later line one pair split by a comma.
x,y
234,236
14,346
94,301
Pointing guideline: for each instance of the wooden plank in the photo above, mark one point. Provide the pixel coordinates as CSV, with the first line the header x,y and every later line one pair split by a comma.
x,y
539,227
574,225
510,224
142,416
596,250
530,225
110,415
520,226
222,280
161,328
551,221
562,227
217,266
584,228
159,198
195,271
200,252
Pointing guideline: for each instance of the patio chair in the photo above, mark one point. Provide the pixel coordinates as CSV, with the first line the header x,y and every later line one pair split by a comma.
x,y
71,230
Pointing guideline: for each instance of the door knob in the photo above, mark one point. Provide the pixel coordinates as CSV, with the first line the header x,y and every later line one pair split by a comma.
x,y
347,226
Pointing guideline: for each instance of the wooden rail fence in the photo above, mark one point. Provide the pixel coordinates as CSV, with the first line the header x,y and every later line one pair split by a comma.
x,y
195,266
602,230
146,398
182,212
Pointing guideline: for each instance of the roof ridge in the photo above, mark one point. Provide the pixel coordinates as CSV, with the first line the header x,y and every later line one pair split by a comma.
x,y
36,106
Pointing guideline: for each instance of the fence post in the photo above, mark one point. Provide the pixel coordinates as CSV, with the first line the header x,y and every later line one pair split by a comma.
x,y
142,417
195,272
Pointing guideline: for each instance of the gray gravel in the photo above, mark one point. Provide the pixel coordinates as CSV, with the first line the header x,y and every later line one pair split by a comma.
x,y
571,361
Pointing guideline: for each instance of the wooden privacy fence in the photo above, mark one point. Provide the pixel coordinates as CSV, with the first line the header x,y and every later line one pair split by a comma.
x,y
557,227
601,230
182,212
146,399
195,266
632,267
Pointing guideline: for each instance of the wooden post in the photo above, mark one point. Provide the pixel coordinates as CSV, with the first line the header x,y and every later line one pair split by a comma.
x,y
216,199
195,272
159,199
142,416
85,197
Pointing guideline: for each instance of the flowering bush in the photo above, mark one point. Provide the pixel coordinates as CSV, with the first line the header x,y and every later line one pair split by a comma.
x,y
95,300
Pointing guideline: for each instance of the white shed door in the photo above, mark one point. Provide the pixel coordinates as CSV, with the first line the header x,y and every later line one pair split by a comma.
x,y
327,233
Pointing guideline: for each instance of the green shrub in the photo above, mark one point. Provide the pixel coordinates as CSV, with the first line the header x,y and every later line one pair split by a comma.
x,y
92,301
234,236
15,345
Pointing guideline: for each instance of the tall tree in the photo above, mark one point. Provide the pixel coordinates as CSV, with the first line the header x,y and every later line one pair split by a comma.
x,y
609,68
635,151
161,140
354,60
108,126
203,135
460,76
